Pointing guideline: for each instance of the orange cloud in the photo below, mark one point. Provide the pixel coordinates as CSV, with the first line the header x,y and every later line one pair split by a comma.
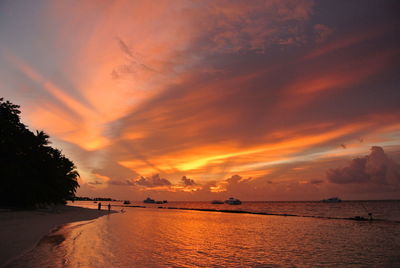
x,y
198,159
338,77
207,90
80,129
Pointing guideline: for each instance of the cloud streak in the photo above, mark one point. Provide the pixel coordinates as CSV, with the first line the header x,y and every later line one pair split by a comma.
x,y
206,94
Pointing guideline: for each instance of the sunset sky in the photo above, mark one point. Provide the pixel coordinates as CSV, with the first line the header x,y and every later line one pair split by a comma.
x,y
201,100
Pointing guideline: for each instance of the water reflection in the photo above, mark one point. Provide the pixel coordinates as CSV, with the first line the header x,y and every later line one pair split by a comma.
x,y
383,210
172,238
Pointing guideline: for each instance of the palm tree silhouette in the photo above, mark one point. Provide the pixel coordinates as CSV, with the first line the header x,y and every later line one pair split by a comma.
x,y
31,171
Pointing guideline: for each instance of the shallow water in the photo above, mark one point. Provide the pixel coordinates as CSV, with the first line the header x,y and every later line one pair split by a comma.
x,y
151,237
381,210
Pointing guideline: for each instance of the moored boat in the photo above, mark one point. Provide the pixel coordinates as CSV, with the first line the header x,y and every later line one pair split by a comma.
x,y
149,200
332,200
233,201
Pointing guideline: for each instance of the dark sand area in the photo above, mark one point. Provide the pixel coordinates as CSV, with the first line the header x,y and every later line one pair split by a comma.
x,y
20,231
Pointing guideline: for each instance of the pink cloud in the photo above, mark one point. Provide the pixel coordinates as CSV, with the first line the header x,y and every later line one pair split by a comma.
x,y
375,168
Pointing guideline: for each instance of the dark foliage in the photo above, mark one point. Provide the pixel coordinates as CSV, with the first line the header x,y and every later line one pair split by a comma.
x,y
32,172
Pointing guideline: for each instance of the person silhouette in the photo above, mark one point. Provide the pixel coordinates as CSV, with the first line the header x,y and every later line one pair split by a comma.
x,y
109,206
99,206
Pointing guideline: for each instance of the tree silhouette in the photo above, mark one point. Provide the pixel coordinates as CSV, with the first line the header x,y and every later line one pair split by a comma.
x,y
32,172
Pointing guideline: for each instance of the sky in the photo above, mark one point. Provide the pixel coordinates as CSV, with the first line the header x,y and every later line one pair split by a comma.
x,y
201,100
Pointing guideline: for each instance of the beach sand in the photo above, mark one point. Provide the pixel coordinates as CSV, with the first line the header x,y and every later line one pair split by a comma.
x,y
20,231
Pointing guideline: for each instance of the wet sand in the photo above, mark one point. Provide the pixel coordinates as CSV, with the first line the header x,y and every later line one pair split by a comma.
x,y
20,231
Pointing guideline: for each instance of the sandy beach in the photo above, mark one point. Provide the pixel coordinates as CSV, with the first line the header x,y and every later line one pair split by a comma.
x,y
20,231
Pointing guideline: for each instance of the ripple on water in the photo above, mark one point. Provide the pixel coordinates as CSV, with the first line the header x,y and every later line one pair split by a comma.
x,y
172,238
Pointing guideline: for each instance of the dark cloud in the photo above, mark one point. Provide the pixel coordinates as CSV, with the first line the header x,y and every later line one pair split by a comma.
x,y
187,181
125,48
134,63
354,172
153,181
322,32
376,168
241,27
236,185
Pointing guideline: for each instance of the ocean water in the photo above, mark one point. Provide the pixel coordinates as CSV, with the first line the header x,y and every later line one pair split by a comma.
x,y
319,235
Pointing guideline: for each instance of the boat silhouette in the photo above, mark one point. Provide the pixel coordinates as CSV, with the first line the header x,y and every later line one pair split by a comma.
x,y
149,200
332,200
233,201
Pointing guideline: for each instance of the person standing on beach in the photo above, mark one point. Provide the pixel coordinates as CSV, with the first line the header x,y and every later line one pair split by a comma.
x,y
109,206
99,206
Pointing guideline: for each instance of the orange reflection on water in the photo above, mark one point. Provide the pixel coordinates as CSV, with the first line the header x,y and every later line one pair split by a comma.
x,y
172,238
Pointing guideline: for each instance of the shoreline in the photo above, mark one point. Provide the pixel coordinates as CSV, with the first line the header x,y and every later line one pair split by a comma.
x,y
21,231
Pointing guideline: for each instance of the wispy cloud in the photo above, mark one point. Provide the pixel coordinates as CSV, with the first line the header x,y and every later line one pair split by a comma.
x,y
215,97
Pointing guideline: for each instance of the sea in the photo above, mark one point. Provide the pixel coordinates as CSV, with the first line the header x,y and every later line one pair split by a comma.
x,y
201,234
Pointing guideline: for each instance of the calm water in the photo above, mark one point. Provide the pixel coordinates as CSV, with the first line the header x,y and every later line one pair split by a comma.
x,y
152,237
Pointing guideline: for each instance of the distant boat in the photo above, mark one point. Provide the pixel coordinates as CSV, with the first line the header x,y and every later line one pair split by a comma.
x,y
165,201
127,202
217,202
159,202
332,200
149,200
233,201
